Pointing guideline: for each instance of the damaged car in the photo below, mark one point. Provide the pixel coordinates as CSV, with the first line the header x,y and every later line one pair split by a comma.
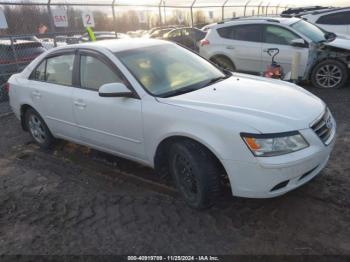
x,y
242,45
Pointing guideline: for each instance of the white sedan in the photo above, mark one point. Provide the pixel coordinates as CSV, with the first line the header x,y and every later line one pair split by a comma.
x,y
163,106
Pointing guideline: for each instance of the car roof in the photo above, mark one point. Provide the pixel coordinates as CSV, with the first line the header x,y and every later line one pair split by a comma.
x,y
262,19
118,45
325,11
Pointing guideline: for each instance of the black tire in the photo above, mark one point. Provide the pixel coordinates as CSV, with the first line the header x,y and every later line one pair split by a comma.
x,y
329,73
196,173
223,62
38,129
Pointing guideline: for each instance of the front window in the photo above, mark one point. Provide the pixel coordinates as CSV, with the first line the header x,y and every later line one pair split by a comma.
x,y
279,35
167,70
94,73
309,30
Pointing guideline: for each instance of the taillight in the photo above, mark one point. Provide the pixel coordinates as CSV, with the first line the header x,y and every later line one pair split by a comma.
x,y
205,42
7,87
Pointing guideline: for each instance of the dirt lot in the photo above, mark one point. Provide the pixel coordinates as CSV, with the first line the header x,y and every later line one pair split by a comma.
x,y
75,201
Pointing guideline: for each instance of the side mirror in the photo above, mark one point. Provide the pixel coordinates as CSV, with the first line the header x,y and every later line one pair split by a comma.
x,y
115,90
299,43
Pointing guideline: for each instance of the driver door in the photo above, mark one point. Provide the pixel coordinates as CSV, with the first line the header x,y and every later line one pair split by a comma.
x,y
108,123
281,38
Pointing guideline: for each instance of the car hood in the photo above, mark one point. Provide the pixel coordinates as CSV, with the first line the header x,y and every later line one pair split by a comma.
x,y
268,106
341,41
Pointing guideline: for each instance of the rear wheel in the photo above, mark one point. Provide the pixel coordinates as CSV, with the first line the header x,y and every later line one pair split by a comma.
x,y
38,129
223,62
329,74
196,173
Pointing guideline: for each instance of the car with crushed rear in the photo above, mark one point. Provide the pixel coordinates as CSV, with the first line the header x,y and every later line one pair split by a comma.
x,y
179,114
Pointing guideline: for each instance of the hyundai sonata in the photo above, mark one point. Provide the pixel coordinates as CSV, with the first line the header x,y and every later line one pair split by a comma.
x,y
164,106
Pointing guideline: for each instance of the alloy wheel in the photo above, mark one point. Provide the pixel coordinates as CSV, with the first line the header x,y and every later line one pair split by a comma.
x,y
329,76
37,129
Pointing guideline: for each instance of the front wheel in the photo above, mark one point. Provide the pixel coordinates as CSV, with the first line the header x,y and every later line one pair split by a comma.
x,y
329,74
38,129
196,174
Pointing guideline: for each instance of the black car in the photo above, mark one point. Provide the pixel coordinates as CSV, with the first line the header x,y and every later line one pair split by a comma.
x,y
15,57
159,33
186,36
301,10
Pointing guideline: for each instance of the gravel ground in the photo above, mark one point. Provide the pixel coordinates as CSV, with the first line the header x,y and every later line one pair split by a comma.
x,y
73,200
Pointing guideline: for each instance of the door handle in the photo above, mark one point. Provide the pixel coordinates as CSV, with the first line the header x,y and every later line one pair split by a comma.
x,y
230,47
36,94
79,104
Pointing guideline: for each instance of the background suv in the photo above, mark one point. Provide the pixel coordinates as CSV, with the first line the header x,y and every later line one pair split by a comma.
x,y
242,44
336,20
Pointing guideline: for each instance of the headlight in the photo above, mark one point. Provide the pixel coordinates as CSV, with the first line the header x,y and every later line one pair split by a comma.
x,y
274,144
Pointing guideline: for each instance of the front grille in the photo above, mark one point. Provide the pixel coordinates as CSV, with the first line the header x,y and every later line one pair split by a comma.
x,y
324,127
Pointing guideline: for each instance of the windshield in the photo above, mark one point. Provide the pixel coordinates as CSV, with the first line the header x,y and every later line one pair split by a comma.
x,y
167,70
309,30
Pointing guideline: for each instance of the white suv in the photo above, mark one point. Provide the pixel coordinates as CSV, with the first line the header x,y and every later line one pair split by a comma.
x,y
336,20
242,45
178,113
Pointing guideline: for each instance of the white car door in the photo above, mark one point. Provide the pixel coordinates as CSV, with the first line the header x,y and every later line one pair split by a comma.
x,y
51,92
109,123
243,45
280,37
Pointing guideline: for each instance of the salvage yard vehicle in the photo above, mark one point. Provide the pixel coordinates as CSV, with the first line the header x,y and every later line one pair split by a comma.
x,y
242,45
179,114
336,20
186,36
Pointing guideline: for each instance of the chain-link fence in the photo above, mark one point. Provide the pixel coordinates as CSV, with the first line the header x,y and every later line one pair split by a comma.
x,y
37,25
17,51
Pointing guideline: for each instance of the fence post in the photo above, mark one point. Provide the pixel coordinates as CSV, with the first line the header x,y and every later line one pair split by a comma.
x,y
160,13
277,8
259,8
14,53
267,9
114,19
223,10
194,1
51,24
245,7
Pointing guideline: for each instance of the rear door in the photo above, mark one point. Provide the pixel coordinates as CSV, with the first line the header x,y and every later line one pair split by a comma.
x,y
51,87
108,123
243,44
279,37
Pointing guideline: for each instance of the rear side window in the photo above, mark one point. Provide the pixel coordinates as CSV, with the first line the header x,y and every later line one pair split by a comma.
x,y
59,70
279,35
94,73
340,18
39,73
250,33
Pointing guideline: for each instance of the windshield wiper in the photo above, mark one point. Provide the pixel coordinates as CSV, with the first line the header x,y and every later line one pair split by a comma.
x,y
195,87
217,79
179,92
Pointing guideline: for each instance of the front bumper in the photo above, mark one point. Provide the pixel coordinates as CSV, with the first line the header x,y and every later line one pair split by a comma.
x,y
273,176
